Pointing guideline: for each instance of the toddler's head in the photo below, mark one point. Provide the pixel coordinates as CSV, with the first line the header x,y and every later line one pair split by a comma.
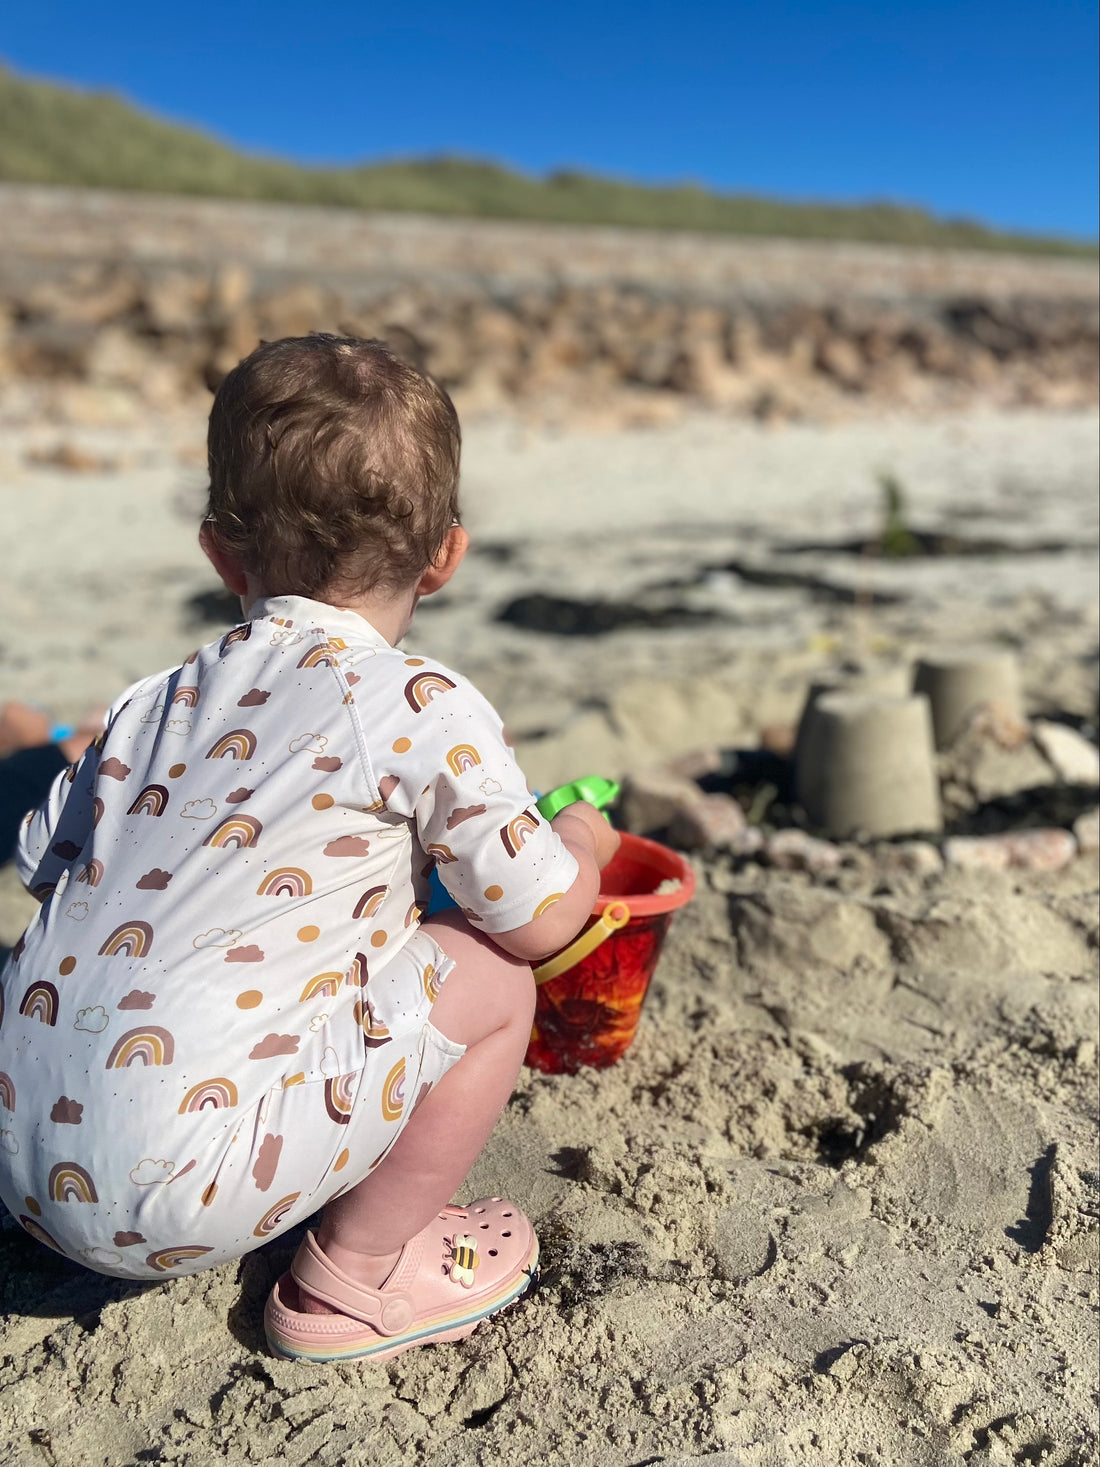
x,y
333,467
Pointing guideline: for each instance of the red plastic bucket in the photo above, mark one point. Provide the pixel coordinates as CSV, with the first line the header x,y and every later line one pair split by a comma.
x,y
589,996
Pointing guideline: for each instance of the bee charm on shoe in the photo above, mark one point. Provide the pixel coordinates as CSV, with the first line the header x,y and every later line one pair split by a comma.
x,y
464,1259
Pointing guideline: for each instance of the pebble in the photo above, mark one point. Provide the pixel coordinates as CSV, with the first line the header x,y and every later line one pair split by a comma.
x,y
779,738
749,843
909,858
1073,757
1086,829
651,801
794,850
1025,850
708,820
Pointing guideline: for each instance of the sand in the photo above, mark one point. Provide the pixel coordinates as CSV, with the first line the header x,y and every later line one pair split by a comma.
x,y
839,1202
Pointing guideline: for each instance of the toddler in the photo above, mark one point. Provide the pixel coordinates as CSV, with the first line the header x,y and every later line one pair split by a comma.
x,y
230,1011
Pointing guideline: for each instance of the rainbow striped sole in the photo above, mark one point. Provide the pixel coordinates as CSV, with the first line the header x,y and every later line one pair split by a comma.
x,y
290,1340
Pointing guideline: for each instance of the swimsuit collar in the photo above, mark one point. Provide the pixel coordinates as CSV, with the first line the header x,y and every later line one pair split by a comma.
x,y
301,611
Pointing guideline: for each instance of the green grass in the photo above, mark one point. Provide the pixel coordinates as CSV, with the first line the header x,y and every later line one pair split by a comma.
x,y
59,135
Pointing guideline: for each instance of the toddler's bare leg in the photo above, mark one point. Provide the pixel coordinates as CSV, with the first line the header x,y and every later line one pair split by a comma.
x,y
487,1003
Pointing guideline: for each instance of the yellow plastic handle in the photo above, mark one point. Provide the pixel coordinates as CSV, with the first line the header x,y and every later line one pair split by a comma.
x,y
614,916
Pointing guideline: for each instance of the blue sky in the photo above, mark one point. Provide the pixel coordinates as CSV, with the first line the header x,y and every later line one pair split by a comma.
x,y
976,109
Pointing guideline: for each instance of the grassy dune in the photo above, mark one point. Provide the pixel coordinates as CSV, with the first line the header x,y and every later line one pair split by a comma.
x,y
60,135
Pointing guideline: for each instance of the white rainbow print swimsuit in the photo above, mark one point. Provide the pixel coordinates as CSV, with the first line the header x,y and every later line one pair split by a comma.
x,y
220,1016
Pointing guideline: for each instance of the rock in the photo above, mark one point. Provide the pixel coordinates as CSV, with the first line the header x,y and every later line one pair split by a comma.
x,y
74,458
1086,830
909,858
708,820
750,842
1027,850
651,801
794,850
696,764
1073,757
779,738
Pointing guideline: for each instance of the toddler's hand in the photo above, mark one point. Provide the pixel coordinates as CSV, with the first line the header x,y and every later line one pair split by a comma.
x,y
605,840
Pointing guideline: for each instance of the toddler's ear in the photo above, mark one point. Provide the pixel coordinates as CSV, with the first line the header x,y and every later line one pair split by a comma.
x,y
227,565
450,558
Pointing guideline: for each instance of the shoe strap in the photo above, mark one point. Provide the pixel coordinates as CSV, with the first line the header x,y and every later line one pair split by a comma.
x,y
388,1310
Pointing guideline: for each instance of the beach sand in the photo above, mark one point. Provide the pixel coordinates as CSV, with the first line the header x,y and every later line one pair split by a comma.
x,y
839,1202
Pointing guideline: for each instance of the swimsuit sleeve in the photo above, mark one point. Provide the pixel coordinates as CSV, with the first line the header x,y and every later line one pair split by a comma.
x,y
54,832
442,762
50,835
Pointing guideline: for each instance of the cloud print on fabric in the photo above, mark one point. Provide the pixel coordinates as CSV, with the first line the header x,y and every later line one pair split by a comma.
x,y
155,880
308,743
113,769
199,810
66,1112
328,765
250,954
272,1045
267,1160
253,698
92,1020
137,998
466,812
347,845
238,797
217,937
150,1171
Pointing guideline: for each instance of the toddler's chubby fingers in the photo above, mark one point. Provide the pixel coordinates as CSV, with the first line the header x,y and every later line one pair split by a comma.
x,y
22,727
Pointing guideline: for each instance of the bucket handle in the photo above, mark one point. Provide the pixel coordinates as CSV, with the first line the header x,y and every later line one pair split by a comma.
x,y
614,916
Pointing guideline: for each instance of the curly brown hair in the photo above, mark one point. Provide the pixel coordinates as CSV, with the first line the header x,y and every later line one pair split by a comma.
x,y
333,466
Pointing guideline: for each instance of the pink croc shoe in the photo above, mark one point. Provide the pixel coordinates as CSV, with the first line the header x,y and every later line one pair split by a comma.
x,y
465,1265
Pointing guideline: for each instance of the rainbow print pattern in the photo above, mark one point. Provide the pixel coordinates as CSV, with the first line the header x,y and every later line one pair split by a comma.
x,y
40,1002
165,1259
239,743
393,1092
340,1097
357,974
323,655
98,808
187,696
431,981
38,1232
238,634
7,1092
69,1182
369,902
515,833
237,832
419,691
289,881
325,985
274,1216
219,1094
152,1046
152,801
91,872
439,852
462,757
547,903
132,939
375,1033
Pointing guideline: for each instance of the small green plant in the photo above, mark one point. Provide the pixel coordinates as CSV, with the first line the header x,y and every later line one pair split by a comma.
x,y
896,539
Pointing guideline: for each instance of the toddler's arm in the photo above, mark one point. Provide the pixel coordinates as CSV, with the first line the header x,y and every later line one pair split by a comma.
x,y
592,843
